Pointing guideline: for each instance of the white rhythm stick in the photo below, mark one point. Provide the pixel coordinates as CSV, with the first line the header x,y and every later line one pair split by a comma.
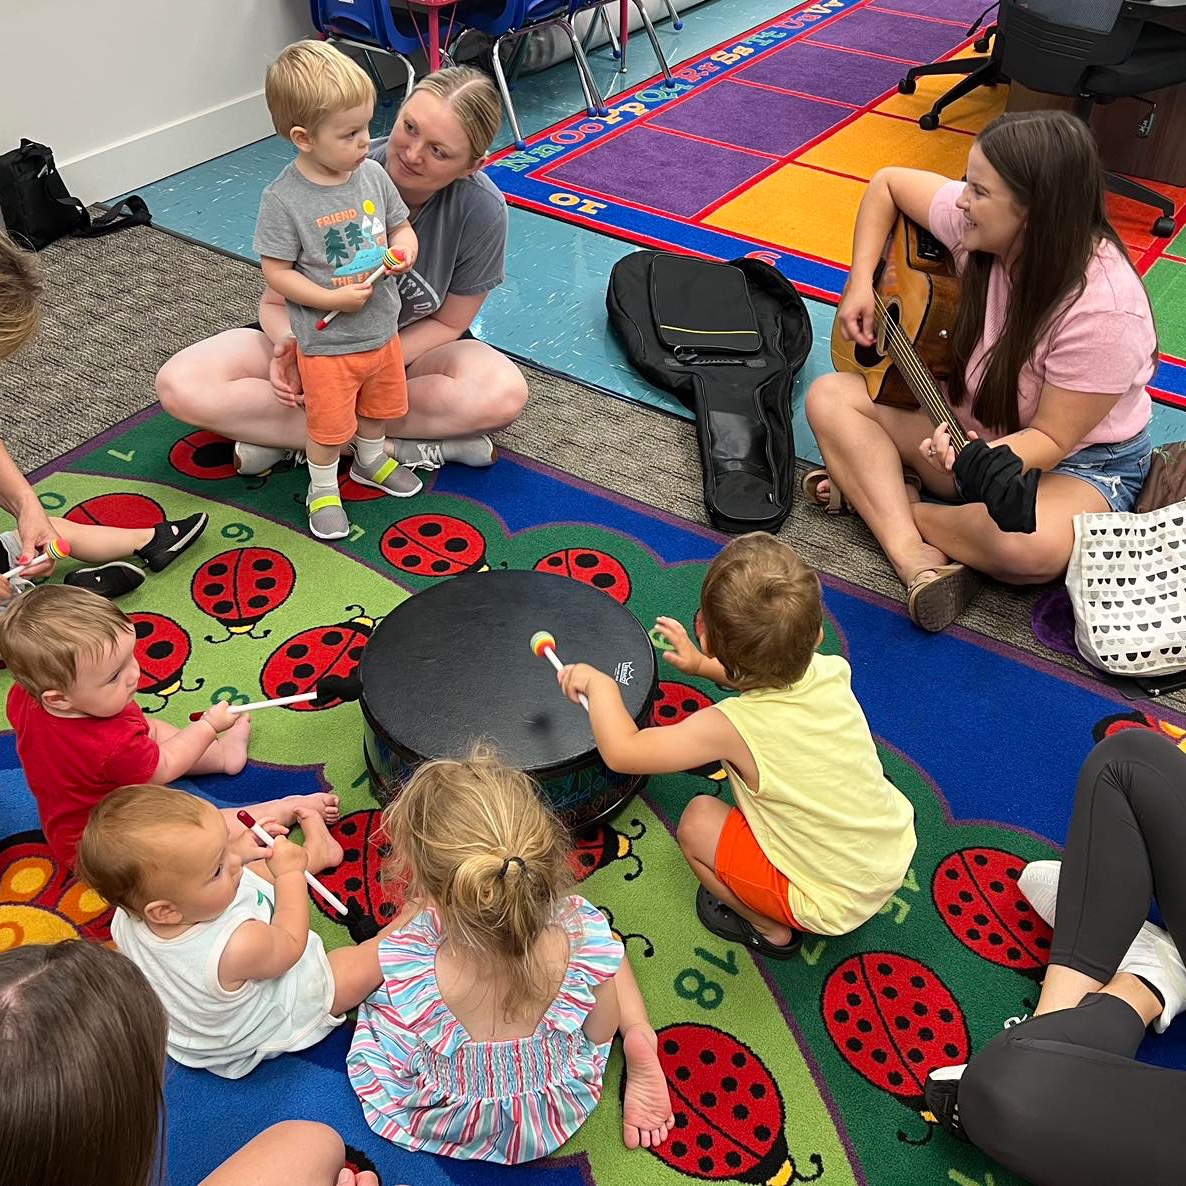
x,y
391,261
248,821
57,549
543,646
279,702
329,687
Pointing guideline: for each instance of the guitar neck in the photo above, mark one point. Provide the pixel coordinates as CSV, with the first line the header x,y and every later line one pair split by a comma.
x,y
925,390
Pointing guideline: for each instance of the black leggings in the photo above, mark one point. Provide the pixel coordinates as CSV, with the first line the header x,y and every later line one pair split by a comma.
x,y
1059,1099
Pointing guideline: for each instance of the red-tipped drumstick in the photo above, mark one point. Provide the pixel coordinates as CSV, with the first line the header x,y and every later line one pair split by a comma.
x,y
57,549
248,821
543,646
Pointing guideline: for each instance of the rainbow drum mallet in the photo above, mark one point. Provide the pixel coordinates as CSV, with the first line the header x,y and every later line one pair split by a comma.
x,y
391,261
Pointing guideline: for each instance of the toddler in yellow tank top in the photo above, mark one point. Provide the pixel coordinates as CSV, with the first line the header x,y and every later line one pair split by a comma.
x,y
820,839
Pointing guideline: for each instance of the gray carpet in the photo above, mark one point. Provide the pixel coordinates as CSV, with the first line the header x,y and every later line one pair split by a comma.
x,y
119,306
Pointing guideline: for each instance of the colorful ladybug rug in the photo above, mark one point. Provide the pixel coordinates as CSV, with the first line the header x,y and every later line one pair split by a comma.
x,y
780,1073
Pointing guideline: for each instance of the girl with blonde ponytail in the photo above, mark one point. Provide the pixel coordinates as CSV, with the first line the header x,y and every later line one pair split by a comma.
x,y
489,1036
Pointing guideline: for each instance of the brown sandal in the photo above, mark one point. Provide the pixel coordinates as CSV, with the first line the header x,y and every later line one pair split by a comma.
x,y
836,503
936,601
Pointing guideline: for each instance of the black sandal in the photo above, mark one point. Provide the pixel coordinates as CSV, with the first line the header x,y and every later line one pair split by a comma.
x,y
729,925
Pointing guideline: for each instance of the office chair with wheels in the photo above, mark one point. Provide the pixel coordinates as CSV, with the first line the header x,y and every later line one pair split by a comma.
x,y
1089,51
978,72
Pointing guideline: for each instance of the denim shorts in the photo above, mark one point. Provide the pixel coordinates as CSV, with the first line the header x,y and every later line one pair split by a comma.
x,y
1117,471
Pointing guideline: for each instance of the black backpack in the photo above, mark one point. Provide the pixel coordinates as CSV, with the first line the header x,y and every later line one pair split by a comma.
x,y
727,340
38,209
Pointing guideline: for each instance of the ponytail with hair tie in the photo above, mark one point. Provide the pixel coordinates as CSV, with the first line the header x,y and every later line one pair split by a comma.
x,y
507,864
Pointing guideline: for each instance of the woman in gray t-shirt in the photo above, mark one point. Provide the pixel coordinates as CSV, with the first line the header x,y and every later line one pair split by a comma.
x,y
243,383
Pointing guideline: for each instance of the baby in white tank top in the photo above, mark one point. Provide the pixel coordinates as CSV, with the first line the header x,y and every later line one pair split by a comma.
x,y
228,951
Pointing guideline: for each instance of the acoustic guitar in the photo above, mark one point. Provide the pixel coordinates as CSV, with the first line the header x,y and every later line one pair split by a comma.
x,y
916,295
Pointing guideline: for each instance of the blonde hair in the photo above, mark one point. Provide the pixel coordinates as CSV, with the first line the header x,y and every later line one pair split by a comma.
x,y
762,610
474,101
130,838
45,632
310,81
474,838
21,287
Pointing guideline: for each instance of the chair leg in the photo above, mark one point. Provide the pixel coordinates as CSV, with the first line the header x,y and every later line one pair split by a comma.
x,y
931,69
650,28
986,75
1163,227
593,100
603,17
676,23
517,56
505,91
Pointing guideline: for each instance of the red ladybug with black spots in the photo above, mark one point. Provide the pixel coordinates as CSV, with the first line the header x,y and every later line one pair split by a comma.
x,y
730,1119
204,455
590,567
121,509
675,702
893,1021
240,587
162,649
358,880
976,894
1138,720
434,546
300,663
601,845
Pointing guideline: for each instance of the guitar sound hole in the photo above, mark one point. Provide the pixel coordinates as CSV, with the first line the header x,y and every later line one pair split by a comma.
x,y
869,357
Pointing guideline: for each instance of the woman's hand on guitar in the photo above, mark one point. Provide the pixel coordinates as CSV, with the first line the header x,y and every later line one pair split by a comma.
x,y
856,314
938,450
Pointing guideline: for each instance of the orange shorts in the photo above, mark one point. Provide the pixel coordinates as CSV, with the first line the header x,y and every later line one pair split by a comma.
x,y
743,866
340,387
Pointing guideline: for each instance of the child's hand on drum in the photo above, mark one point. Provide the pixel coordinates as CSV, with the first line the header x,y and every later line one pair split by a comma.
x,y
575,678
684,655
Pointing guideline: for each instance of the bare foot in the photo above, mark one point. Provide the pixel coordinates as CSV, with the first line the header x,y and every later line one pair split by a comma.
x,y
326,805
233,744
646,1107
323,850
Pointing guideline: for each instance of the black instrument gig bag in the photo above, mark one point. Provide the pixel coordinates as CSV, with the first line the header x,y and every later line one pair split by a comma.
x,y
38,209
727,340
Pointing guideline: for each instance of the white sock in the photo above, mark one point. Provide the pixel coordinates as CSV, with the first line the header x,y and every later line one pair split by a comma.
x,y
1039,883
324,477
368,452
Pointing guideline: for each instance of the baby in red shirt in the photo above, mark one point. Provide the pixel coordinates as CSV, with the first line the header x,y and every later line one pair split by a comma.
x,y
80,733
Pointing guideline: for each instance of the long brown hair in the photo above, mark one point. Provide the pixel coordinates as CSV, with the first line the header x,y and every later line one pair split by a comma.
x,y
82,1064
1049,161
474,838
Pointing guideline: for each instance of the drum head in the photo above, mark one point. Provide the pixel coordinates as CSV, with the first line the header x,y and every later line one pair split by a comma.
x,y
453,665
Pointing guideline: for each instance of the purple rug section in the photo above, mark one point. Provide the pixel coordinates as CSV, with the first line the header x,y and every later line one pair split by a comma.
x,y
1054,622
893,35
752,117
660,170
829,73
962,12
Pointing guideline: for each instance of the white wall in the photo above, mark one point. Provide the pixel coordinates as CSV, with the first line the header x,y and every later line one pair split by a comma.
x,y
130,92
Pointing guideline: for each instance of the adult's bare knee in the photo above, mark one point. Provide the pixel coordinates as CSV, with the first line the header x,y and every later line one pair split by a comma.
x,y
177,385
830,400
508,394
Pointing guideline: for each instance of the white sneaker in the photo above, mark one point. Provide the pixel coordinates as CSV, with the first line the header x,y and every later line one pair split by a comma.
x,y
1039,883
1154,957
258,459
478,451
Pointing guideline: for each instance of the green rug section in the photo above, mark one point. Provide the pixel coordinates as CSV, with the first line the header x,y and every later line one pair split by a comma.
x,y
804,1071
1166,282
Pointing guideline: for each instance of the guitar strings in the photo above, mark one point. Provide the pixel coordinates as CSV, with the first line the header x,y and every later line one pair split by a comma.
x,y
926,391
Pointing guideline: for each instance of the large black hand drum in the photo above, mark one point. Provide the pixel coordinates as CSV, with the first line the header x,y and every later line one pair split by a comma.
x,y
453,665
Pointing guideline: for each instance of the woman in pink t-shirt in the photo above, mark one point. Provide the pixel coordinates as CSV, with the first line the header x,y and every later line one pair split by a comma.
x,y
1053,346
